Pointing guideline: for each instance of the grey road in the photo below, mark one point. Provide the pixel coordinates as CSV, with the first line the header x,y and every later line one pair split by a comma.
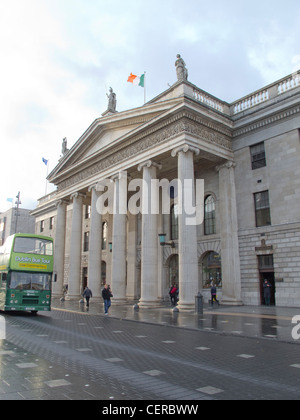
x,y
70,356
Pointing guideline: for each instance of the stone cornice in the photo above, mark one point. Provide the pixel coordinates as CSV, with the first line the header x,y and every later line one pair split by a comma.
x,y
183,122
267,121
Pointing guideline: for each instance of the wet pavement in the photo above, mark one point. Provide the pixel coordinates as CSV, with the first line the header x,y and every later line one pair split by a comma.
x,y
75,353
248,321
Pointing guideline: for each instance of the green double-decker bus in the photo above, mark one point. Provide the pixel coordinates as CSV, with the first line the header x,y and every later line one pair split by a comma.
x,y
26,271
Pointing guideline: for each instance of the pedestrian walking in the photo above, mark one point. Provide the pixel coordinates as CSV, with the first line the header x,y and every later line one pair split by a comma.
x,y
213,292
267,292
87,294
107,295
174,294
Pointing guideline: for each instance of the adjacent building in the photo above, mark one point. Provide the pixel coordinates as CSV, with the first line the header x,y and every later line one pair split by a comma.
x,y
15,221
247,153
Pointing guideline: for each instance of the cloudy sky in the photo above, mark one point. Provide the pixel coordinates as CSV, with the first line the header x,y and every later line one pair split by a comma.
x,y
59,58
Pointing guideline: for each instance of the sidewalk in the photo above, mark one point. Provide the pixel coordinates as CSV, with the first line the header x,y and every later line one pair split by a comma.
x,y
271,323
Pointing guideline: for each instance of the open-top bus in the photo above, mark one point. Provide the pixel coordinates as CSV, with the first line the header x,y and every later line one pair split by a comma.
x,y
26,270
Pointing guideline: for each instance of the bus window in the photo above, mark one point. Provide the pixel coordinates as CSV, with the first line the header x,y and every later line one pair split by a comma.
x,y
39,246
40,281
29,281
3,280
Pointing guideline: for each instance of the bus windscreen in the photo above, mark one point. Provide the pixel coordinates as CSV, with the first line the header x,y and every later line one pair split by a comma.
x,y
38,246
29,281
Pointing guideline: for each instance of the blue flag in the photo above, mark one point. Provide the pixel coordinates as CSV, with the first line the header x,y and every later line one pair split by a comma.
x,y
45,161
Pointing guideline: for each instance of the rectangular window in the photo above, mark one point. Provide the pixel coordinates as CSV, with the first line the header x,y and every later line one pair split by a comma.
x,y
87,212
262,209
174,222
86,242
42,226
51,225
265,262
209,216
258,156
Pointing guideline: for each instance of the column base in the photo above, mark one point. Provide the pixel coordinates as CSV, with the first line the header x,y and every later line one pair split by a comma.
x,y
119,301
57,295
73,298
228,301
186,307
148,304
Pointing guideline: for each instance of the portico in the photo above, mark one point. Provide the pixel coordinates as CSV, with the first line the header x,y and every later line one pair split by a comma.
x,y
171,147
108,217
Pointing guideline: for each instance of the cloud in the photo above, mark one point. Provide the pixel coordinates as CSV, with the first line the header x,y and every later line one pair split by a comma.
x,y
59,57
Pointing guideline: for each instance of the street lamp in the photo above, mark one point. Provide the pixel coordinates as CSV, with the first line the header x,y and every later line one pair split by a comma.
x,y
17,203
162,240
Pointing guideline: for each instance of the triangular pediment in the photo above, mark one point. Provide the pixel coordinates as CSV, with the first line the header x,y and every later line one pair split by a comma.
x,y
107,131
116,131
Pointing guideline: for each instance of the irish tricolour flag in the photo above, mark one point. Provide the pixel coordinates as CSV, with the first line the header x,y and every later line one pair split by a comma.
x,y
137,80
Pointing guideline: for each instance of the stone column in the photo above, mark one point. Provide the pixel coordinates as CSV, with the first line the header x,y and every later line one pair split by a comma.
x,y
188,260
231,273
74,286
131,257
95,247
118,268
149,251
59,248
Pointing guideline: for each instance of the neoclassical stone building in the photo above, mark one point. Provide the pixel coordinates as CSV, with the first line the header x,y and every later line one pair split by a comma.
x,y
247,153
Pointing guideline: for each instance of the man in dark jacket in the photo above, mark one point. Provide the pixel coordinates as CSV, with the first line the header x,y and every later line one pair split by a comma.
x,y
106,294
87,294
267,292
213,292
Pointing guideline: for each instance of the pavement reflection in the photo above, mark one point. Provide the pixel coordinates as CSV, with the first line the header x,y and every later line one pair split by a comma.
x,y
249,321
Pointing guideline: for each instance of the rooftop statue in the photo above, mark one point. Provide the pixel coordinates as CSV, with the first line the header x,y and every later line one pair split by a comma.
x,y
64,147
112,101
181,70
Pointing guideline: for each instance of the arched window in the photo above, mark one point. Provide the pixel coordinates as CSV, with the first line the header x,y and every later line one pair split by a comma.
x,y
103,273
173,271
174,222
104,235
211,270
209,215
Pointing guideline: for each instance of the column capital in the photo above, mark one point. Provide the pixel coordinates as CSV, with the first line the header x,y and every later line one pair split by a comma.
x,y
77,195
120,175
227,165
61,202
92,187
104,183
185,148
148,164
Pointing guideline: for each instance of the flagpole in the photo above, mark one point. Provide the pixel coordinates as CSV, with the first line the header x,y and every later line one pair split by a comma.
x,y
144,87
46,188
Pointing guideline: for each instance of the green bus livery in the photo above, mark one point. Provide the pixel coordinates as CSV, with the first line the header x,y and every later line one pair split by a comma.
x,y
26,271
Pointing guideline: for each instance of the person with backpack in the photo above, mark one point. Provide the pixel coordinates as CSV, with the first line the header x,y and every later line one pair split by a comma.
x,y
213,292
107,295
87,294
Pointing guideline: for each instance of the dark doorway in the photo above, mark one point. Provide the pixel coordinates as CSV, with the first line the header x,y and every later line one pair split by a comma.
x,y
266,272
271,279
84,278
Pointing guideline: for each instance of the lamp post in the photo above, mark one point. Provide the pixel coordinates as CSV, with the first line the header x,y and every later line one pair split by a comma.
x,y
18,202
162,241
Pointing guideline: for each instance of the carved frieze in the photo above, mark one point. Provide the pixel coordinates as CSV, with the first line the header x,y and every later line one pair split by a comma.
x,y
147,140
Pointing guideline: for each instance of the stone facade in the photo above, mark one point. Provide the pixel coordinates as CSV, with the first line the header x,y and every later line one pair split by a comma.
x,y
247,153
15,221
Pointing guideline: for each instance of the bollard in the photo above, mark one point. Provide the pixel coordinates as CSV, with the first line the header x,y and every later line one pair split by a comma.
x,y
199,304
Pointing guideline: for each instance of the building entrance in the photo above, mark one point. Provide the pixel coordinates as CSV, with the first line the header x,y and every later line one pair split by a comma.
x,y
266,272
